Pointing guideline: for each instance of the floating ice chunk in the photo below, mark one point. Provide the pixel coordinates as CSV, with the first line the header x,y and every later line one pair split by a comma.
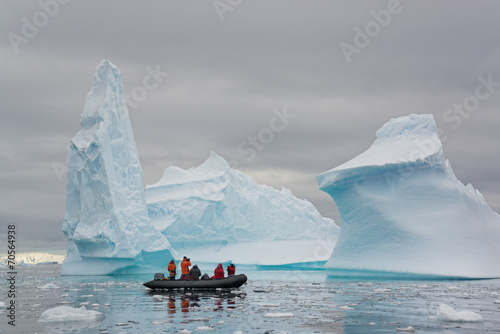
x,y
407,329
210,328
278,315
185,331
70,314
268,305
49,286
345,307
157,298
238,332
447,313
496,302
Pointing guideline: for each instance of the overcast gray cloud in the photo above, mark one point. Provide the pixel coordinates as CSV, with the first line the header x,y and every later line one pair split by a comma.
x,y
228,77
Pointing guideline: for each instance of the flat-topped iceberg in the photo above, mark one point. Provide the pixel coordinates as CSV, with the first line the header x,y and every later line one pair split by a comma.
x,y
106,222
405,214
213,214
30,259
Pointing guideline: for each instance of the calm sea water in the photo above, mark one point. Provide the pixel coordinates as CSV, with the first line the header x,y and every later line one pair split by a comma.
x,y
308,301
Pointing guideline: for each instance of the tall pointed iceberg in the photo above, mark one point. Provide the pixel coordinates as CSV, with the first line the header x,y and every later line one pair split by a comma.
x,y
214,213
106,221
404,212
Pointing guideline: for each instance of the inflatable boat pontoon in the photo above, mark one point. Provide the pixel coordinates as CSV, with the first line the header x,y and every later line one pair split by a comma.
x,y
223,283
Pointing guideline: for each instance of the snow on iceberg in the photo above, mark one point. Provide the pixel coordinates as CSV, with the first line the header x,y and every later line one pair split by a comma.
x,y
405,214
213,214
106,222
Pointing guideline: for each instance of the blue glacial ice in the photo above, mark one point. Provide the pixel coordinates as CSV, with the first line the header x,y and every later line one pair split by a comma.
x,y
404,212
213,213
106,222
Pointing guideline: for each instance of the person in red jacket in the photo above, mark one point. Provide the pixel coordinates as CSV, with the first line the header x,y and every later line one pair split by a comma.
x,y
231,270
218,272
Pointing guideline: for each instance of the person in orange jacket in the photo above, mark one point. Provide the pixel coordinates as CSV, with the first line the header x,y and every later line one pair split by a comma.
x,y
218,272
185,268
171,270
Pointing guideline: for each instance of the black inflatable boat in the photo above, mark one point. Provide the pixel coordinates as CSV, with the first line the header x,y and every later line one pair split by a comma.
x,y
223,283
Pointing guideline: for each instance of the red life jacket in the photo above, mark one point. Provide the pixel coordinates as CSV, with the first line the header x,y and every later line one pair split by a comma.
x,y
219,271
231,270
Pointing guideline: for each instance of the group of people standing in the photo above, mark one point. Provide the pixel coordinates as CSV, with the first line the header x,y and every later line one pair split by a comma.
x,y
195,272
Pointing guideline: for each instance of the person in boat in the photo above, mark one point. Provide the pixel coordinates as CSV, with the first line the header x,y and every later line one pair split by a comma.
x,y
231,270
195,273
185,268
218,272
171,270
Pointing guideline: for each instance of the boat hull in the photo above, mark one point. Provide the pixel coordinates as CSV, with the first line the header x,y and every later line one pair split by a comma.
x,y
222,283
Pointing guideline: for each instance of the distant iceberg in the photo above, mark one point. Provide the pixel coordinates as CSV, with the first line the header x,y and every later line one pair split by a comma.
x,y
213,213
30,259
106,222
405,214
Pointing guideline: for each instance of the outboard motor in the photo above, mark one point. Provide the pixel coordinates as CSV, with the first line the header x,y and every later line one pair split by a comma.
x,y
159,276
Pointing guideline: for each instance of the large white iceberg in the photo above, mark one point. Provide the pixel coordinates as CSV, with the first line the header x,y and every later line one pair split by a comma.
x,y
404,212
213,213
106,222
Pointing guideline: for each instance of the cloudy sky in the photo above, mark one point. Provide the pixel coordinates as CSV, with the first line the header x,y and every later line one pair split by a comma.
x,y
338,69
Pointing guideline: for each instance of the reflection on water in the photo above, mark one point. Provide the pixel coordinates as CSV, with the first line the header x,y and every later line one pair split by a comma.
x,y
197,301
